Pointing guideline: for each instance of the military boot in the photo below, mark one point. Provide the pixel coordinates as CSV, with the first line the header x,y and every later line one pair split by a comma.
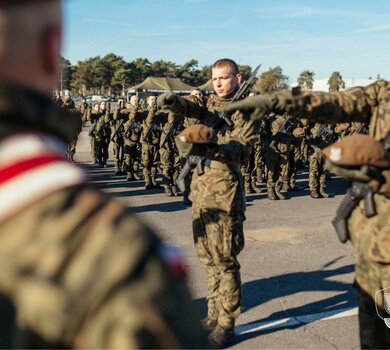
x,y
279,194
323,193
186,201
314,194
153,177
117,171
136,176
248,188
286,187
130,177
220,337
271,194
148,183
257,188
167,190
208,324
175,191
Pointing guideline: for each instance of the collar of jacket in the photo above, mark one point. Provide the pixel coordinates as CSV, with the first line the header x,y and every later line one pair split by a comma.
x,y
22,109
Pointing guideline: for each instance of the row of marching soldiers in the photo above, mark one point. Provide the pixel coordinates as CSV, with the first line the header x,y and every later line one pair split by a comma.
x,y
142,134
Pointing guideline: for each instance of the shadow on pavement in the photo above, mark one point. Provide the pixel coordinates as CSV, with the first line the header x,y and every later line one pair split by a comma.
x,y
255,293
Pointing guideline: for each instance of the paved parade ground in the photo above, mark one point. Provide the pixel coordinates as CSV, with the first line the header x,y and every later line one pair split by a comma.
x,y
297,277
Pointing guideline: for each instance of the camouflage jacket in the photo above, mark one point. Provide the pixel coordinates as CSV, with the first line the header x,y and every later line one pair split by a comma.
x,y
78,269
221,186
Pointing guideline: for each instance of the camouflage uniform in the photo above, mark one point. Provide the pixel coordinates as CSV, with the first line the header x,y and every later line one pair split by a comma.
x,y
120,116
149,147
131,136
369,236
94,116
169,154
102,136
78,270
218,208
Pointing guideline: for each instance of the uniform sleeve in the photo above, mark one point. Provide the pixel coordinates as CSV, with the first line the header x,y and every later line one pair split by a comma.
x,y
337,107
85,273
237,147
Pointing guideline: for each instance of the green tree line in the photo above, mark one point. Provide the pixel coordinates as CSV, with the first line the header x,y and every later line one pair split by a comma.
x,y
112,75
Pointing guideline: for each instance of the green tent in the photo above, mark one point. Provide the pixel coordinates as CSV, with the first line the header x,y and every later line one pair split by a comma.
x,y
207,87
160,85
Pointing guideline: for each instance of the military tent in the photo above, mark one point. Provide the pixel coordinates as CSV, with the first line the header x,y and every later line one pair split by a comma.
x,y
160,85
207,87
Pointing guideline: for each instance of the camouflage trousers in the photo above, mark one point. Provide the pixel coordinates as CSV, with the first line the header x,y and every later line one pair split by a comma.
x,y
150,159
170,161
218,239
131,158
372,277
276,166
118,154
317,171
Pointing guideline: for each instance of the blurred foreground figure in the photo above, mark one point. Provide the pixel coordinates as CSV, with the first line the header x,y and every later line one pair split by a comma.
x,y
77,270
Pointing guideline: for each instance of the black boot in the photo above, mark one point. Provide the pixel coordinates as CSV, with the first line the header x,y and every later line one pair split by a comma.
x,y
324,194
314,194
256,188
208,324
279,194
167,190
186,201
174,190
249,189
129,177
221,337
271,194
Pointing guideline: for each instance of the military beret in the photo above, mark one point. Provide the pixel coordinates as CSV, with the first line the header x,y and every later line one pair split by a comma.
x,y
198,133
356,151
298,132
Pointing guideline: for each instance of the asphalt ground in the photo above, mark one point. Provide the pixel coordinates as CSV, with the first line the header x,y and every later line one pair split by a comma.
x,y
297,277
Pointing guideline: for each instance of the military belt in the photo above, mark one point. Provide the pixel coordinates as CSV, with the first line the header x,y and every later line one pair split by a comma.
x,y
222,166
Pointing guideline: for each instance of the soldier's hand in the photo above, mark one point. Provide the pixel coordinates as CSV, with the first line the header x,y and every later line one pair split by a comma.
x,y
257,107
167,100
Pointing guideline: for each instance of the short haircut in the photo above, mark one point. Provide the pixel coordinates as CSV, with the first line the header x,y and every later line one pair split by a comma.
x,y
226,62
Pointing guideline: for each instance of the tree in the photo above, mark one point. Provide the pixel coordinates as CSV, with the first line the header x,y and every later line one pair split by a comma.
x,y
306,80
336,82
66,75
272,80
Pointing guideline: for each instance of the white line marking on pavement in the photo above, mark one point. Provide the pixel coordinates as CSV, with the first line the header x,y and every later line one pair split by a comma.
x,y
294,321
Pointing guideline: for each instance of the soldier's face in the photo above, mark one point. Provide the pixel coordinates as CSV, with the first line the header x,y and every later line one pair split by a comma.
x,y
224,80
196,93
134,100
152,101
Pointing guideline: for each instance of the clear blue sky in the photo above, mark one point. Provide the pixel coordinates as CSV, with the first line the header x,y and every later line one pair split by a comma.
x,y
349,36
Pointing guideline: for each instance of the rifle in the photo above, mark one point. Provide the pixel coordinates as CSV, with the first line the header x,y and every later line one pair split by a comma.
x,y
283,133
357,192
120,126
152,128
323,133
131,126
217,123
363,129
170,133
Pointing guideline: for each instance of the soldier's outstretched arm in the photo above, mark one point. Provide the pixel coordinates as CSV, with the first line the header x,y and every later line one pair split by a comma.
x,y
187,107
352,105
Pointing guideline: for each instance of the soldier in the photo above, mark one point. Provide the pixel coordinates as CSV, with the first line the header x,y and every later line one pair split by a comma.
x,y
119,117
218,198
94,117
369,235
169,154
132,129
69,105
150,140
78,270
317,170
